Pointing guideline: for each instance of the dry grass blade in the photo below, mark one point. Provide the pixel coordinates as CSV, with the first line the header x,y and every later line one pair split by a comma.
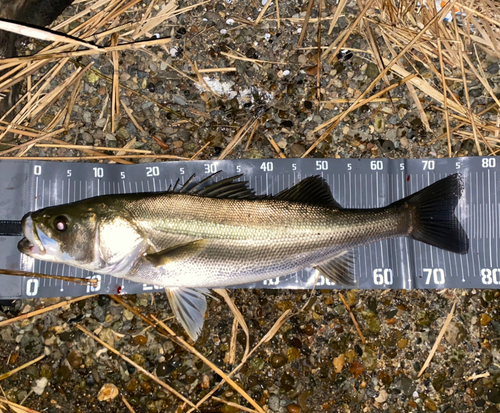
x,y
170,334
76,280
466,92
149,23
237,316
128,405
411,89
94,158
478,376
262,12
71,104
224,376
122,151
102,50
270,334
438,340
276,147
199,152
42,34
247,59
388,67
336,15
238,406
342,39
42,310
14,371
31,142
16,408
353,318
132,118
364,102
239,136
132,363
231,354
115,88
445,100
306,22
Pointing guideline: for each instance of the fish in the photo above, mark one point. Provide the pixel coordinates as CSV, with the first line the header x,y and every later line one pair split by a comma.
x,y
214,234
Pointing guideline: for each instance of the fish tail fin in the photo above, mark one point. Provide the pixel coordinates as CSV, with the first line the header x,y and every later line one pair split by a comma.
x,y
433,220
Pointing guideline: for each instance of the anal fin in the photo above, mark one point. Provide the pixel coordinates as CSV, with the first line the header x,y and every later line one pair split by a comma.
x,y
340,269
189,307
176,252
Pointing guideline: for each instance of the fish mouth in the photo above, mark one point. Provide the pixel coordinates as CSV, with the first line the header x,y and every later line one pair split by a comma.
x,y
30,244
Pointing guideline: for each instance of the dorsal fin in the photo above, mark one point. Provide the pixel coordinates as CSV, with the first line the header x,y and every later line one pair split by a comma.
x,y
311,190
225,188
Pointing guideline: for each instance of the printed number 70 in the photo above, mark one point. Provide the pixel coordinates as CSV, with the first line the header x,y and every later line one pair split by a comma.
x,y
437,275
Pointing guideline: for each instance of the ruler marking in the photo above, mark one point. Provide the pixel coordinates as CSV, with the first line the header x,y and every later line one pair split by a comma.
x,y
495,213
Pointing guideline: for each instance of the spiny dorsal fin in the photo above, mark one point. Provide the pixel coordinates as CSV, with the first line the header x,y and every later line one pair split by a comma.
x,y
225,188
311,190
340,269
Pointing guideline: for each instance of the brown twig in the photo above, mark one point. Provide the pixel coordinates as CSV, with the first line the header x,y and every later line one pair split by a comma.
x,y
43,310
353,318
438,339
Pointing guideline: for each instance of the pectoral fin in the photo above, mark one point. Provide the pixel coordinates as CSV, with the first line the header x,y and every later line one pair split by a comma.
x,y
340,269
176,253
189,307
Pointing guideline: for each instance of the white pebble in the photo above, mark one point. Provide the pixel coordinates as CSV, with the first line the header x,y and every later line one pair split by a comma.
x,y
230,22
174,51
267,36
299,30
223,31
264,2
39,386
286,72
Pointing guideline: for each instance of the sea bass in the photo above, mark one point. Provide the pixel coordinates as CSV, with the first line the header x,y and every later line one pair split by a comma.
x,y
218,234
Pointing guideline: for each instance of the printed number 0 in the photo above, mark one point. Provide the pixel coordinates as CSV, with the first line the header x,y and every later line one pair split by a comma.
x,y
32,287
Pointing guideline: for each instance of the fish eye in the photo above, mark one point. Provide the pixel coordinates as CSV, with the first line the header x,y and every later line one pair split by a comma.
x,y
61,223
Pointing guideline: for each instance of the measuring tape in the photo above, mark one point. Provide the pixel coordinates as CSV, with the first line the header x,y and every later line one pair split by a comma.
x,y
400,263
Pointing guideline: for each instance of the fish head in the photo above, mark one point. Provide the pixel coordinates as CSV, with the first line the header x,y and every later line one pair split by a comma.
x,y
61,234
93,235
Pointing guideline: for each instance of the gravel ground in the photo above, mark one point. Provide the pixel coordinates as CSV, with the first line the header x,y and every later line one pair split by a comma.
x,y
316,361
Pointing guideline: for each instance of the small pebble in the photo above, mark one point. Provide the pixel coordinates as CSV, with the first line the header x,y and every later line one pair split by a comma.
x,y
108,392
485,319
